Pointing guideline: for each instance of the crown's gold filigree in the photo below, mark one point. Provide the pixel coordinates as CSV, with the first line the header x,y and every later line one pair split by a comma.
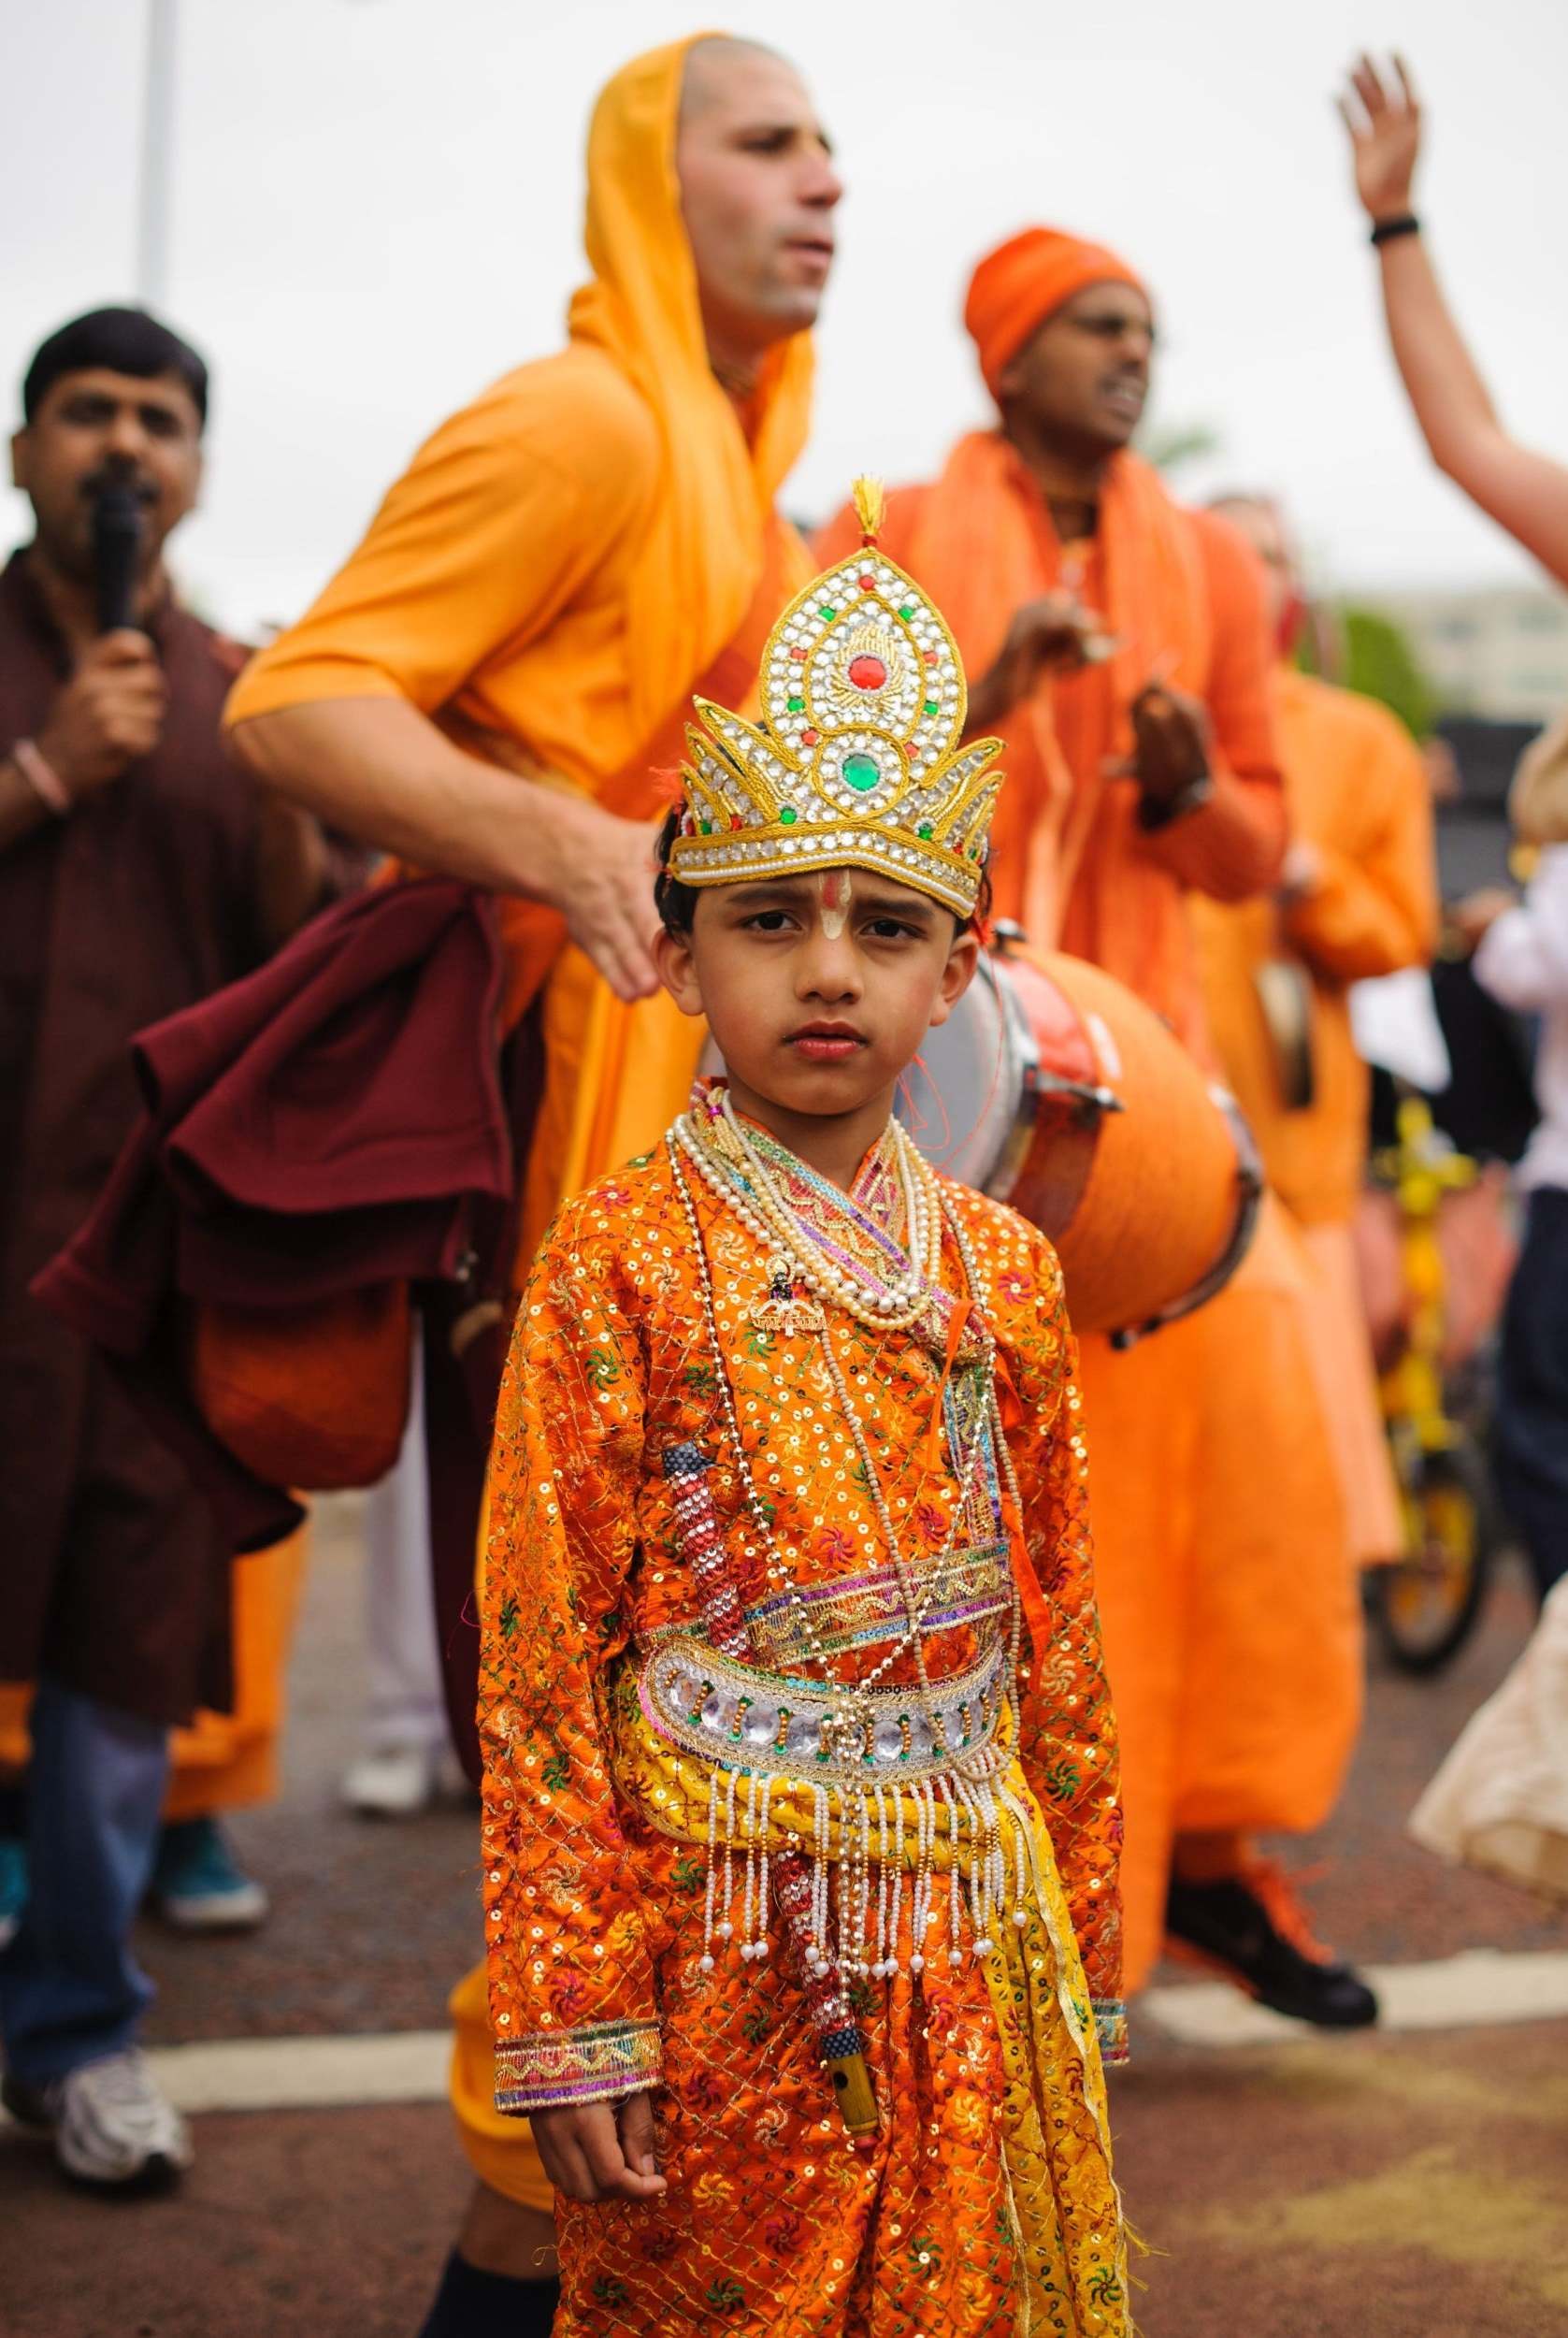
x,y
858,757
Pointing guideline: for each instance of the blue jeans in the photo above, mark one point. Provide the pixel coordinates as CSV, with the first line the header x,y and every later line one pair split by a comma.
x,y
71,1989
1531,1423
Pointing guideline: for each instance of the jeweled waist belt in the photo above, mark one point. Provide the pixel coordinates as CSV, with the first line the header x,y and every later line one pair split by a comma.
x,y
737,1717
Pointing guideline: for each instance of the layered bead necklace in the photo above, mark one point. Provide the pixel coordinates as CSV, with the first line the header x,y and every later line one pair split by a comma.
x,y
836,1277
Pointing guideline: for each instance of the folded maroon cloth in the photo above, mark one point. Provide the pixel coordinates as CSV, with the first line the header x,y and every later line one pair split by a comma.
x,y
332,1122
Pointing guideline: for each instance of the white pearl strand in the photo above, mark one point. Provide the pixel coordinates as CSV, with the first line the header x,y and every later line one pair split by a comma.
x,y
769,1216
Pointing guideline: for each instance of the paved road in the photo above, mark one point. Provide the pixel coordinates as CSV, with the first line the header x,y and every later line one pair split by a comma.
x,y
1403,2186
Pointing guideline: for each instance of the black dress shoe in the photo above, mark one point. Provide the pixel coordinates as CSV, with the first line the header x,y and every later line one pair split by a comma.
x,y
1232,1924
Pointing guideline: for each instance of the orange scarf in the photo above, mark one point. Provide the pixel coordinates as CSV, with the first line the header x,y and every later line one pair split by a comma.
x,y
983,543
703,553
716,561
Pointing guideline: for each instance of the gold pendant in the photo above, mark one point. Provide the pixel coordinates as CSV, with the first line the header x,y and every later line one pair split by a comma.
x,y
785,1310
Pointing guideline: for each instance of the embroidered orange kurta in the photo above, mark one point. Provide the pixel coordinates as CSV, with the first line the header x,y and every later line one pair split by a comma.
x,y
986,2199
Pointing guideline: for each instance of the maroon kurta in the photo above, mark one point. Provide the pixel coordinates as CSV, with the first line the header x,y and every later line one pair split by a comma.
x,y
113,1573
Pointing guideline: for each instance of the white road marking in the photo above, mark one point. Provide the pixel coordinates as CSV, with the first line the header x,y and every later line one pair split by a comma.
x,y
1483,1986
304,2073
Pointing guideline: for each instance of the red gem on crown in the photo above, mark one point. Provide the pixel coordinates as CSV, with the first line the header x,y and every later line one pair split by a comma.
x,y
867,672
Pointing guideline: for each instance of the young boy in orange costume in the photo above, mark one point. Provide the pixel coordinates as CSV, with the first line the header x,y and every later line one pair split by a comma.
x,y
801,1815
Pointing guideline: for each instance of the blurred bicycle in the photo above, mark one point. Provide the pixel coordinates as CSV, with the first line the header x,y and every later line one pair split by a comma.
x,y
1450,1262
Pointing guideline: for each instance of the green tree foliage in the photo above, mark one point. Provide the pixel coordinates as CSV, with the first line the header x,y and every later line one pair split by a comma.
x,y
1376,656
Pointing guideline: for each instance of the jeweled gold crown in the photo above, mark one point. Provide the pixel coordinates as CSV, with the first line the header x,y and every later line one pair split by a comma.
x,y
856,758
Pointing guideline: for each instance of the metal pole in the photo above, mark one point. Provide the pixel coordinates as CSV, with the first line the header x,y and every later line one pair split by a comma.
x,y
157,155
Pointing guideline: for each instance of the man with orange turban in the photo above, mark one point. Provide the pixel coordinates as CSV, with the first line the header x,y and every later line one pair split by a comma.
x,y
1358,897
1122,650
491,685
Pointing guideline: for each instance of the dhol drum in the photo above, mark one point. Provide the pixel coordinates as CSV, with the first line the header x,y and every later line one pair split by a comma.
x,y
1054,1088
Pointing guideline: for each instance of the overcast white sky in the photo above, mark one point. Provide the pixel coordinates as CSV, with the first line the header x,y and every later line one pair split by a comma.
x,y
377,209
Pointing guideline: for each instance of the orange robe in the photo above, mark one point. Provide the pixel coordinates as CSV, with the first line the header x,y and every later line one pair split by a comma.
x,y
563,562
1232,1632
637,1769
1359,798
559,566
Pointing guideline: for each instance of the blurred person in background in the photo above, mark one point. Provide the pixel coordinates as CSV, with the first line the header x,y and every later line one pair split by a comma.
x,y
490,686
139,873
1521,949
1357,898
1524,492
406,1759
1501,1799
1121,648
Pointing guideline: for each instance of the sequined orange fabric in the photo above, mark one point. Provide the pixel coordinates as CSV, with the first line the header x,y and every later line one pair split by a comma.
x,y
986,2204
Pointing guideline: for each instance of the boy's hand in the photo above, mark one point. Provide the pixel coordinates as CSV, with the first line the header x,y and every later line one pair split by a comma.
x,y
600,2150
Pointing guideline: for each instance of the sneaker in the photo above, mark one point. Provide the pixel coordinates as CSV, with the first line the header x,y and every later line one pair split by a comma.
x,y
200,1886
113,2128
400,1780
13,1885
1251,1929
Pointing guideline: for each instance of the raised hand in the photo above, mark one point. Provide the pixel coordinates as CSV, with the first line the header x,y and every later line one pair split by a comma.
x,y
1171,736
1385,126
1056,633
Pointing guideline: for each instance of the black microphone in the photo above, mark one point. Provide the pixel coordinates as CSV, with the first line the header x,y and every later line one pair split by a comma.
x,y
116,526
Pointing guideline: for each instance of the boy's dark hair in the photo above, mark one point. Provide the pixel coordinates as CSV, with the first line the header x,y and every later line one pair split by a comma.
x,y
121,340
677,903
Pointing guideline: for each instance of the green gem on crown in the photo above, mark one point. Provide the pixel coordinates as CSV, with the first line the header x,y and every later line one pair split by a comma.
x,y
788,815
862,772
932,707
924,830
907,615
827,610
795,706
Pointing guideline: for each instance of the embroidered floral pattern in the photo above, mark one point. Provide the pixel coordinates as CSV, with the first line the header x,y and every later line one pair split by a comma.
x,y
594,1914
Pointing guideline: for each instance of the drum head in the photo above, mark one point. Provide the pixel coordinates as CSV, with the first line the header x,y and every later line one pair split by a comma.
x,y
961,1096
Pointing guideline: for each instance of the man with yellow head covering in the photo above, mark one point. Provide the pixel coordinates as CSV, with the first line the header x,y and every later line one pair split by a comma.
x,y
1120,646
490,686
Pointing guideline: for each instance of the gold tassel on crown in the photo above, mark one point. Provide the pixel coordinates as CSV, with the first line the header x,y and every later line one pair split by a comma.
x,y
856,759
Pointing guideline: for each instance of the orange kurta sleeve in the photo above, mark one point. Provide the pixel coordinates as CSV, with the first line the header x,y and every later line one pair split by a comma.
x,y
1069,1731
504,515
1234,844
571,1982
1373,908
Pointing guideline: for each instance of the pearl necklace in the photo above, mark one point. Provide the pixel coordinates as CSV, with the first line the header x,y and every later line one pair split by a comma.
x,y
767,1214
916,1598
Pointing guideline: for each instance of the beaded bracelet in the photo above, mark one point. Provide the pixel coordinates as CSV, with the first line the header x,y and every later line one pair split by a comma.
x,y
42,777
1387,230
